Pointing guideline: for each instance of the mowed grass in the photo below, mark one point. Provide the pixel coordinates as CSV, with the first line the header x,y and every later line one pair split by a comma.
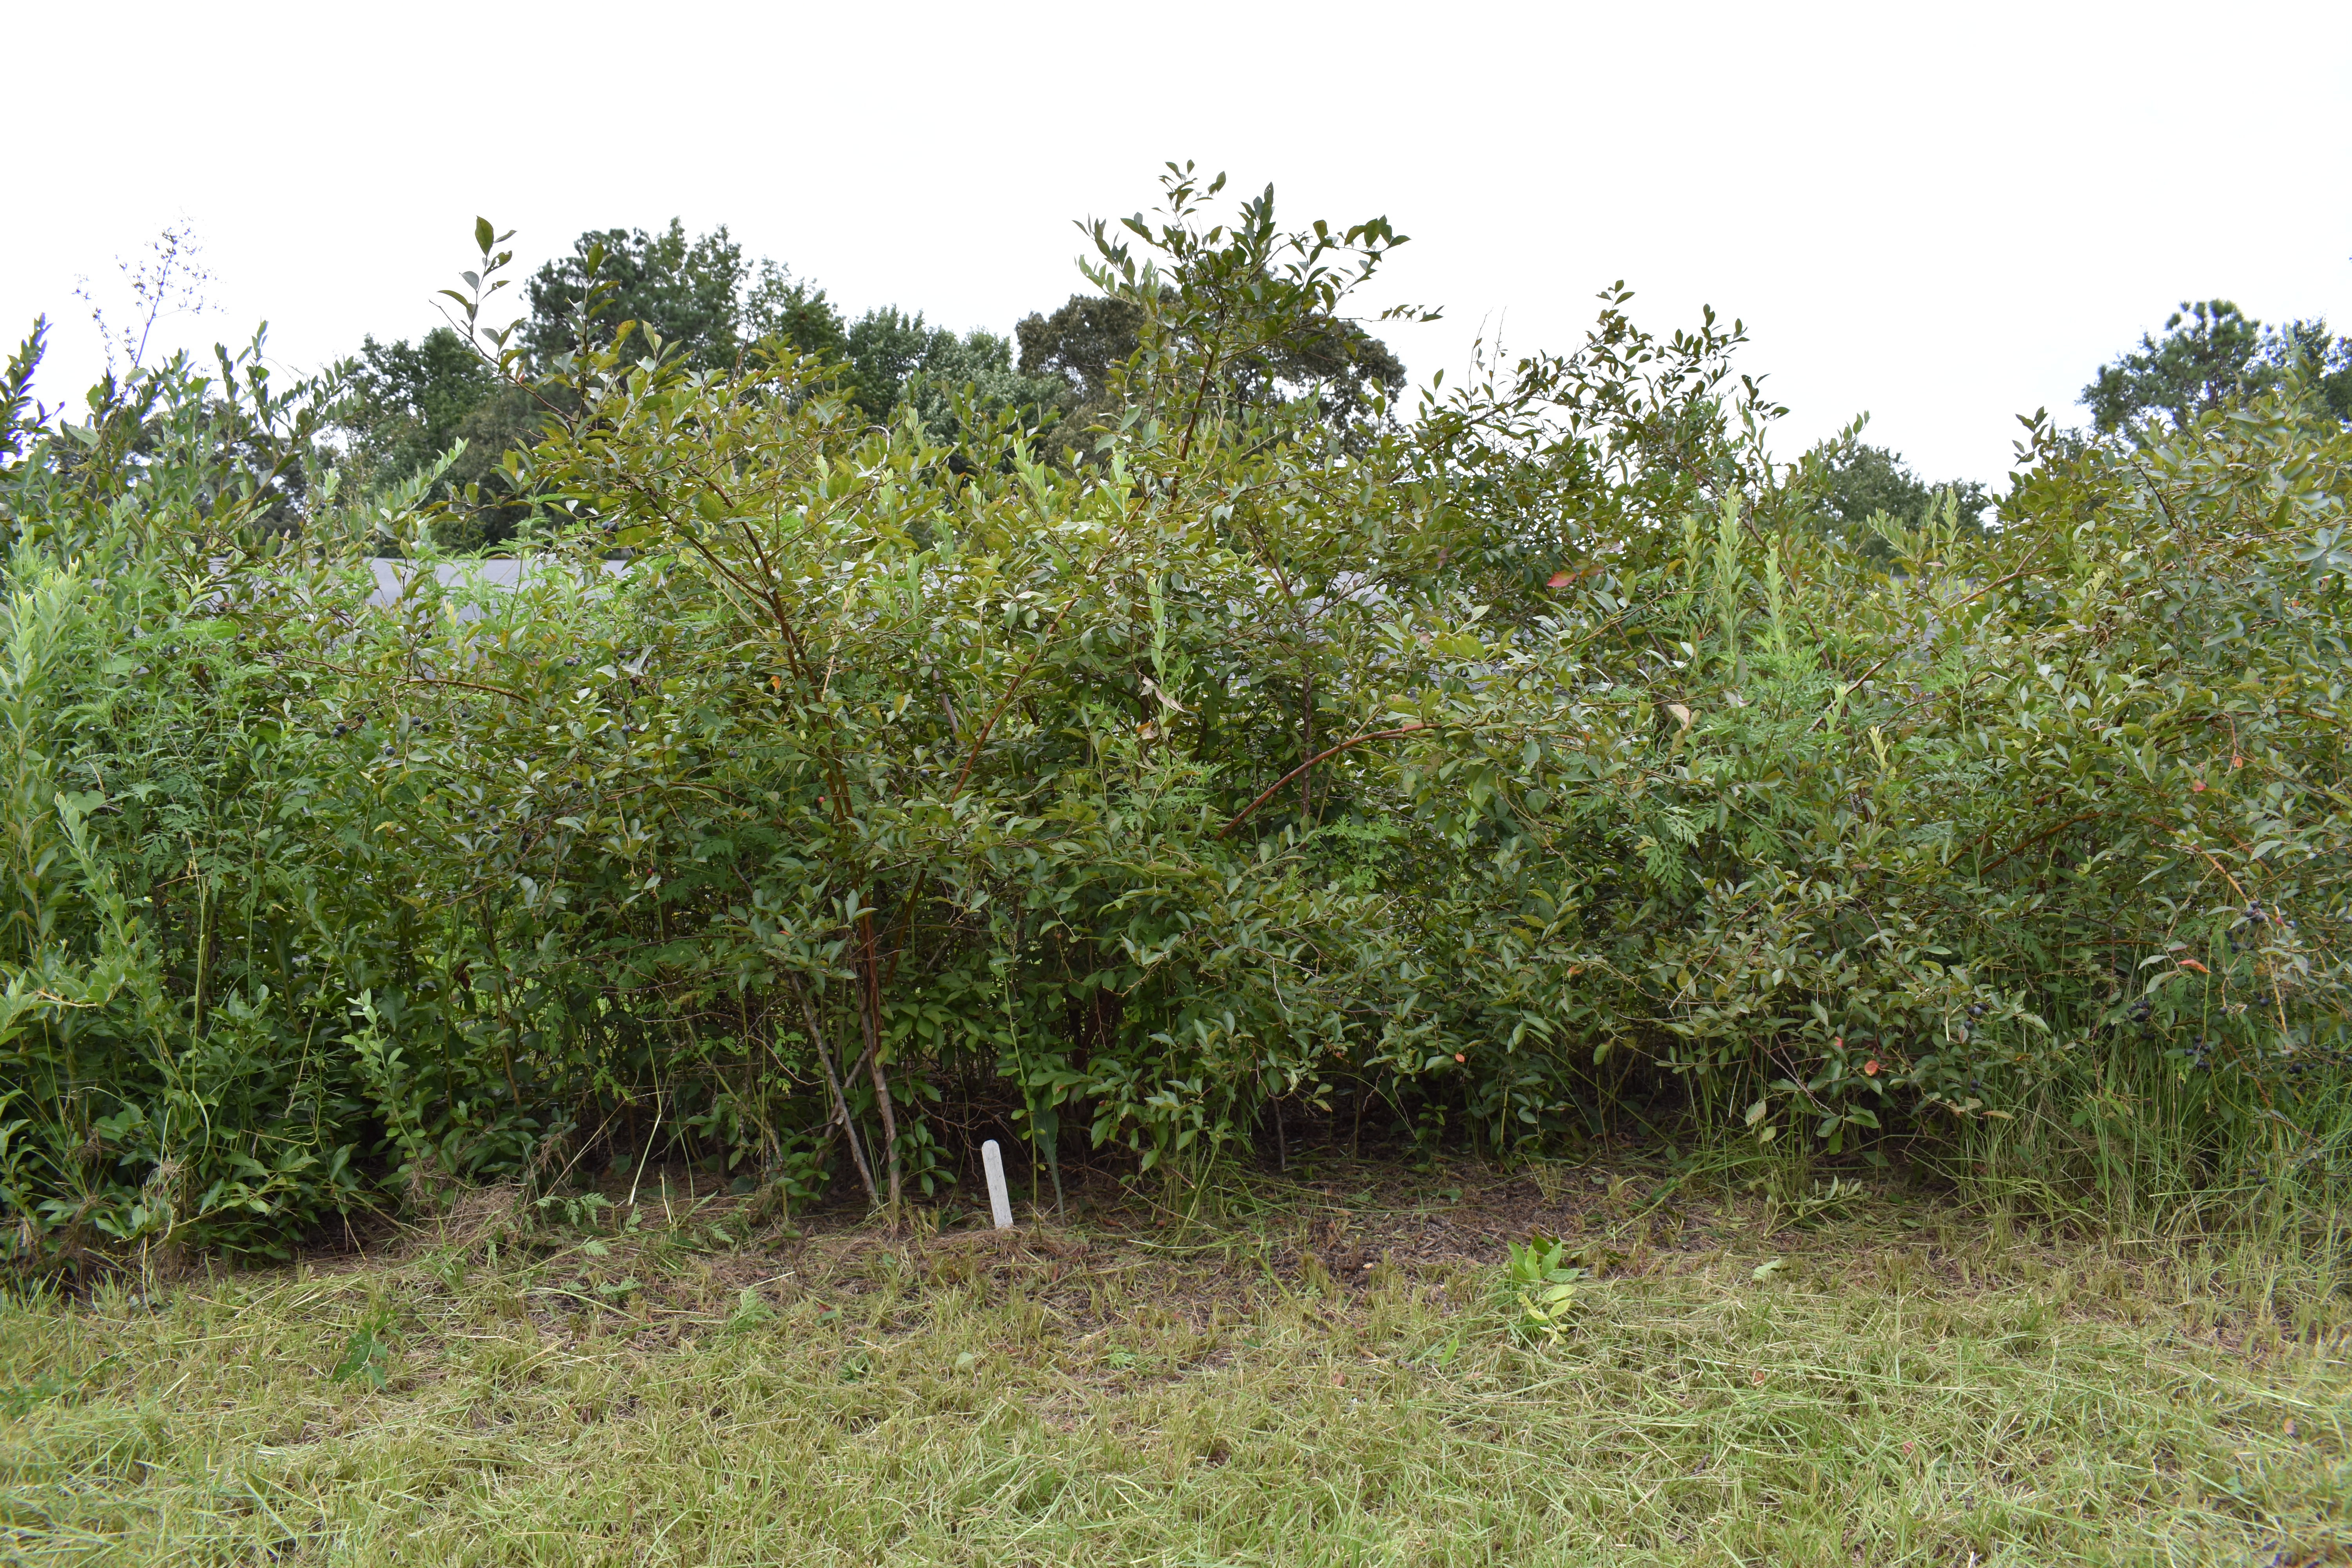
x,y
1317,1377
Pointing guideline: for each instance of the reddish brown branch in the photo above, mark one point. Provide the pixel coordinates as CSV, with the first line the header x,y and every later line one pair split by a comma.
x,y
1275,788
2045,833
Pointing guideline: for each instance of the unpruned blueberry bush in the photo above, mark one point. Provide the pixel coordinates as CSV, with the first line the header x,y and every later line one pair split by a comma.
x,y
822,794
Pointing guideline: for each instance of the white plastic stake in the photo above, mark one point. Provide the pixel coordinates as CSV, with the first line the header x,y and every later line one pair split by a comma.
x,y
1000,1201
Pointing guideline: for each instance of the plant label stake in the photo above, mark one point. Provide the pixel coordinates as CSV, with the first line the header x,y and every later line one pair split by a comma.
x,y
1000,1202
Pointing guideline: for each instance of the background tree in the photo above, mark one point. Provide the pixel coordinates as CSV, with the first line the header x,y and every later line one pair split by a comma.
x,y
688,292
1346,366
791,312
406,403
2213,356
1084,343
894,358
1090,337
409,402
1862,481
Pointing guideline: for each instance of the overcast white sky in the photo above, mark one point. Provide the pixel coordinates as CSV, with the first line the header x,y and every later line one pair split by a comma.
x,y
1943,215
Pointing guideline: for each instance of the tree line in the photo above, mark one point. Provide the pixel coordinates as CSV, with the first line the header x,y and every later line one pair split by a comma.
x,y
408,403
704,302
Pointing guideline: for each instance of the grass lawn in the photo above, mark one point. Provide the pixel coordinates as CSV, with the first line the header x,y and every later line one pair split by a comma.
x,y
1325,1371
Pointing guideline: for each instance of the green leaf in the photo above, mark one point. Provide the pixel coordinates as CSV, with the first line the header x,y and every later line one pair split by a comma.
x,y
363,1359
1458,644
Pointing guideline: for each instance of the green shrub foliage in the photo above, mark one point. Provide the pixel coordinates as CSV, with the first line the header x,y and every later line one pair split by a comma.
x,y
823,792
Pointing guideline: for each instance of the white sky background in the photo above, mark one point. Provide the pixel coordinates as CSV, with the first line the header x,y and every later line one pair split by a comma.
x,y
1943,215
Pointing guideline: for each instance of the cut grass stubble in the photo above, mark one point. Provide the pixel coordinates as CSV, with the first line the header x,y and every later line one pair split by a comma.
x,y
1254,1394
